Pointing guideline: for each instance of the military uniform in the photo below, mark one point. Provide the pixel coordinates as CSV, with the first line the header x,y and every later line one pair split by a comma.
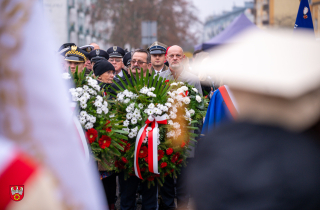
x,y
158,48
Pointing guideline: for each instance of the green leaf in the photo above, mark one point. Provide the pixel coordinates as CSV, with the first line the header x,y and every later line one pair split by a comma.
x,y
121,131
150,81
115,144
118,87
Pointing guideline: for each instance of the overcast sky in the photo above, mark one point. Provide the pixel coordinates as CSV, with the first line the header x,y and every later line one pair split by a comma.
x,y
209,7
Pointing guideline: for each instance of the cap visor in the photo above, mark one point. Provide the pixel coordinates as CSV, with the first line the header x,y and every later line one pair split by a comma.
x,y
157,52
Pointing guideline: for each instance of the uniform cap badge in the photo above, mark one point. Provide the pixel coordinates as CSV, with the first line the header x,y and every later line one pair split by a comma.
x,y
115,48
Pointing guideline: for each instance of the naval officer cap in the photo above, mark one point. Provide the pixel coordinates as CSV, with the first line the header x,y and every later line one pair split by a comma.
x,y
98,54
87,48
157,48
65,47
75,54
116,52
127,59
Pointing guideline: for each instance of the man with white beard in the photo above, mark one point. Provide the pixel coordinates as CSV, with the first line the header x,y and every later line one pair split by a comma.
x,y
175,58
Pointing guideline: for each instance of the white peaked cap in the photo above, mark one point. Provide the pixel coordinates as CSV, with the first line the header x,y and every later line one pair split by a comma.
x,y
273,75
279,63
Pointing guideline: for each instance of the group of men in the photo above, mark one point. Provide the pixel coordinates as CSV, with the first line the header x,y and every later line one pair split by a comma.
x,y
168,62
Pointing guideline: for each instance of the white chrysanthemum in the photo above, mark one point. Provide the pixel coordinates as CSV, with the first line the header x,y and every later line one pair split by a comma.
x,y
186,100
135,129
91,91
126,123
170,100
180,83
83,105
126,129
150,112
82,120
150,94
126,100
98,104
140,118
144,90
134,133
180,98
83,113
85,87
174,109
99,98
191,111
152,89
170,122
184,88
105,104
153,95
88,126
140,106
132,105
99,111
137,112
195,90
72,90
79,90
93,119
66,76
83,100
131,135
129,115
106,110
134,121
111,116
173,116
170,134
88,117
168,104
198,98
97,87
129,109
151,106
86,95
174,84
74,93
176,125
157,111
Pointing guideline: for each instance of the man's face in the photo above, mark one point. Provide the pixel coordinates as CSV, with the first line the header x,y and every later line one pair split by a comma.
x,y
138,61
88,65
158,60
175,57
117,63
73,66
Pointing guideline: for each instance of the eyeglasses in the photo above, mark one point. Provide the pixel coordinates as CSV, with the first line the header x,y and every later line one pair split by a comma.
x,y
117,60
177,55
139,62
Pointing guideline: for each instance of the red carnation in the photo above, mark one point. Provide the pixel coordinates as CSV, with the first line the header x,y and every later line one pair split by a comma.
x,y
157,175
160,154
124,160
172,170
143,152
92,135
108,130
166,81
143,169
146,159
104,141
169,151
179,162
108,121
175,157
119,164
151,178
163,165
166,174
127,147
183,144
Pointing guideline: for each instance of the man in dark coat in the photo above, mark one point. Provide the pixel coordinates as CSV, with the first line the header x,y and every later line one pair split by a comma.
x,y
116,58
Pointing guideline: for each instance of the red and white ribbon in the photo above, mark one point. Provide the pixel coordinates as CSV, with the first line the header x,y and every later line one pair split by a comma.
x,y
153,137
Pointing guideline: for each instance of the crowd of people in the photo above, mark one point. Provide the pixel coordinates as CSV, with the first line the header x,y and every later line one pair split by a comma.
x,y
107,66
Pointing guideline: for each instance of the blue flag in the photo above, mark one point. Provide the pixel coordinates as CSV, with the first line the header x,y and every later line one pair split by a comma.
x,y
304,18
221,110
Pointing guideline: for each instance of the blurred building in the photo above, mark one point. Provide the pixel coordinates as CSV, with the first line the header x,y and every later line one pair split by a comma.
x,y
315,12
71,22
217,23
275,13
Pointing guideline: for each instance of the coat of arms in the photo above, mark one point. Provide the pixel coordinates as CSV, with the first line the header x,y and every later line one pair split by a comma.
x,y
305,11
17,192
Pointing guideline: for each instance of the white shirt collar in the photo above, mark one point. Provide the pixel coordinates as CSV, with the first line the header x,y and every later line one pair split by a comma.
x,y
120,74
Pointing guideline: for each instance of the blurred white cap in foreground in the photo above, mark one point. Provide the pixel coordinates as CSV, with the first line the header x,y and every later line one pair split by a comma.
x,y
274,76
